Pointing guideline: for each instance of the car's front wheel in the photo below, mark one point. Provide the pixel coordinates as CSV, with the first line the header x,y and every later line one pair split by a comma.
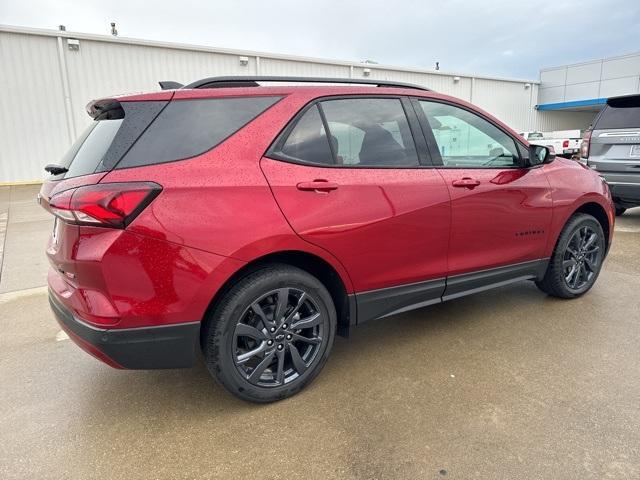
x,y
577,258
271,334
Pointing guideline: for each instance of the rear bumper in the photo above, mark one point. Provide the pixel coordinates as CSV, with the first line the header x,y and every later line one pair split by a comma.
x,y
166,346
625,189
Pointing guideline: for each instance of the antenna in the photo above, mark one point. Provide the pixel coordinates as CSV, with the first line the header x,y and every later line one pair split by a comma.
x,y
114,32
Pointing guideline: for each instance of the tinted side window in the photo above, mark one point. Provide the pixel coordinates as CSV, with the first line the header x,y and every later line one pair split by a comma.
x,y
308,141
187,128
466,140
370,132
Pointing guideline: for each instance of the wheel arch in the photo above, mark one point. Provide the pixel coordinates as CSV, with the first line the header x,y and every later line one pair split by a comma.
x,y
600,214
310,263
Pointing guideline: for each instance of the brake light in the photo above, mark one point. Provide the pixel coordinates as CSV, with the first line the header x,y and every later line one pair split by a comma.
x,y
105,204
584,146
565,144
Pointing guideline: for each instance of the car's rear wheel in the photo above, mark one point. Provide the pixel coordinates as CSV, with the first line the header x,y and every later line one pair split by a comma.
x,y
577,258
271,334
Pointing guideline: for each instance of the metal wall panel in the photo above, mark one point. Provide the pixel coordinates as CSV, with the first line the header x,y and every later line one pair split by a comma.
x,y
627,66
47,79
443,83
273,66
581,91
619,86
591,80
551,94
586,72
553,76
33,127
558,120
100,69
510,102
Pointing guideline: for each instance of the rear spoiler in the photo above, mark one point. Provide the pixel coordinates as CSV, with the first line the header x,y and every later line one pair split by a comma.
x,y
105,109
170,85
625,101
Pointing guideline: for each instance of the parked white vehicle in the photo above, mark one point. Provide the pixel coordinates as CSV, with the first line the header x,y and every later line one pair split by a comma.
x,y
565,143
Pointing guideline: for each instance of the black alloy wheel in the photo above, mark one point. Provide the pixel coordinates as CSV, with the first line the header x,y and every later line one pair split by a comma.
x,y
278,337
270,334
582,258
577,258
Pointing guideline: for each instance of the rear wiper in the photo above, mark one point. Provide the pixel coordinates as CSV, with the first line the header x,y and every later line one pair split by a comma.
x,y
54,169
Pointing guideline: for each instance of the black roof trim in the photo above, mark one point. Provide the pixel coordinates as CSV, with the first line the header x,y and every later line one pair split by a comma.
x,y
252,81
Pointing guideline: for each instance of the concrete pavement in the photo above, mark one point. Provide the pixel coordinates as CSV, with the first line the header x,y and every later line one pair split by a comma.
x,y
505,384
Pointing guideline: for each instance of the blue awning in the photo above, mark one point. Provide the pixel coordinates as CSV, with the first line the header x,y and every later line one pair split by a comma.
x,y
592,102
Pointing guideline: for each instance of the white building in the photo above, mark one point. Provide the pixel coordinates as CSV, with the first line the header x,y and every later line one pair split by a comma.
x,y
586,86
48,76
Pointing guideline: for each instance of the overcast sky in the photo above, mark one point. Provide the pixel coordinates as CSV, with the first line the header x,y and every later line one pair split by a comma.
x,y
496,37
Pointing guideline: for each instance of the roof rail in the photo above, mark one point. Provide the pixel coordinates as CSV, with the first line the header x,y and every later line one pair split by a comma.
x,y
252,81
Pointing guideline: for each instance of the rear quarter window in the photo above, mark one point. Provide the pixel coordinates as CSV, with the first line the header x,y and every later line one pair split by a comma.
x,y
187,128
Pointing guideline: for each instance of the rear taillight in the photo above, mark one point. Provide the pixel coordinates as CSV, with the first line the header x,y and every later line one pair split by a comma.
x,y
565,144
105,204
584,146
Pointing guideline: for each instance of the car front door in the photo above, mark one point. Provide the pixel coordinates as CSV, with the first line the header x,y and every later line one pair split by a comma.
x,y
500,209
350,176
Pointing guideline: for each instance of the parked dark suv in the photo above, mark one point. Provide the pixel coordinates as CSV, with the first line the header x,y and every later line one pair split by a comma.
x,y
612,147
257,222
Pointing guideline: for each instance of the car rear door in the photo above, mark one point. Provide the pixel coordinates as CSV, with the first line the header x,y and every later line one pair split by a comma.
x,y
500,210
348,176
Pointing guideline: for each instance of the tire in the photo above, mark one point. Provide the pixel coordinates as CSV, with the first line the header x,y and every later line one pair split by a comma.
x,y
620,210
577,258
249,347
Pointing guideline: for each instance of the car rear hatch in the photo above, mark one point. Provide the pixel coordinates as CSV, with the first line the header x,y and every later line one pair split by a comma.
x,y
614,148
117,124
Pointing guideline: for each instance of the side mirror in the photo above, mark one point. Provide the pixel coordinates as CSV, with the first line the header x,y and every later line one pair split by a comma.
x,y
539,155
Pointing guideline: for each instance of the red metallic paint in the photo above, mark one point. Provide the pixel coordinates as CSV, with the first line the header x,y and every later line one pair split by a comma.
x,y
387,227
574,185
379,228
489,221
120,279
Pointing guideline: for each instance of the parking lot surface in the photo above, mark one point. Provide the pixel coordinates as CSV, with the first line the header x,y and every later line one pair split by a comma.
x,y
505,384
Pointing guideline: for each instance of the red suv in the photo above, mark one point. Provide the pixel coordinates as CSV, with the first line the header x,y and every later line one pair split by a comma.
x,y
256,222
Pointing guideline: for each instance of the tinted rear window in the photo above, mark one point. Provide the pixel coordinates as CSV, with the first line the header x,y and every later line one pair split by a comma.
x,y
104,142
620,113
187,128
